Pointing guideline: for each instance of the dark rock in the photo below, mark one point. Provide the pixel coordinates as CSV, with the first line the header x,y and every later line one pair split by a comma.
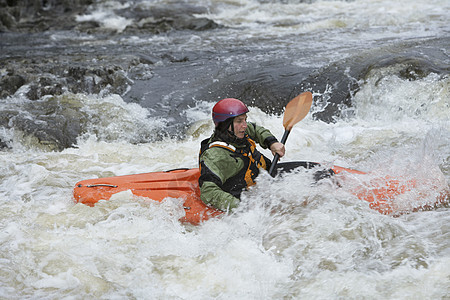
x,y
56,123
38,16
3,145
35,16
9,84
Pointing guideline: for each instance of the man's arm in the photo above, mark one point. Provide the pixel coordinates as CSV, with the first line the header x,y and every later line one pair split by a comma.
x,y
265,138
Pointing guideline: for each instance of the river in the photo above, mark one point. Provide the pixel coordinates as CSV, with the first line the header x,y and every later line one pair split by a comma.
x,y
105,88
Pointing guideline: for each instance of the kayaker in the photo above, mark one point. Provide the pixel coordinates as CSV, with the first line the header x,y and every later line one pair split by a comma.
x,y
229,161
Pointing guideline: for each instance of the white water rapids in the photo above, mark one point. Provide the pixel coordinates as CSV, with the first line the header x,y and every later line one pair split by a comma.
x,y
290,239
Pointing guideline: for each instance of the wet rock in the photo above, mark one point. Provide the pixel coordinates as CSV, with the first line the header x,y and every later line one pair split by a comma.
x,y
87,26
81,79
338,82
38,16
197,24
45,86
159,18
269,86
6,20
35,16
169,23
53,123
3,145
10,83
55,76
145,59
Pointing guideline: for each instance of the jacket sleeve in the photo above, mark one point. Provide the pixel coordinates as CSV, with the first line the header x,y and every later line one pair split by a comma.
x,y
217,166
261,135
214,196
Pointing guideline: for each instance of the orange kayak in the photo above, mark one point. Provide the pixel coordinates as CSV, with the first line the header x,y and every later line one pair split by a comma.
x,y
178,183
183,183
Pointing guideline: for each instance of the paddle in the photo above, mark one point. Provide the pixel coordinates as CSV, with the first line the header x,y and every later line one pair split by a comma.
x,y
296,110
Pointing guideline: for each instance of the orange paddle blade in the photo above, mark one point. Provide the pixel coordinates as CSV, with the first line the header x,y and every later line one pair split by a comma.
x,y
297,109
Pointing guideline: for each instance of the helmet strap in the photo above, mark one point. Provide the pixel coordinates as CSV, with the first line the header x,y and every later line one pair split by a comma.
x,y
231,126
225,130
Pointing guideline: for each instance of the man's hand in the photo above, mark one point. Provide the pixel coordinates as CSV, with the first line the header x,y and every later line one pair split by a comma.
x,y
277,147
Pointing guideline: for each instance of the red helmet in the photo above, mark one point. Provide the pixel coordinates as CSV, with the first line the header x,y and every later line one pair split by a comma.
x,y
228,108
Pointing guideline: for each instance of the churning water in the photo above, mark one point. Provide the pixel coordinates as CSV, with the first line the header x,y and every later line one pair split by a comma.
x,y
290,239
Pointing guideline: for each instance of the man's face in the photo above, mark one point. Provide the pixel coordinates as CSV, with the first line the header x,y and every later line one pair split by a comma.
x,y
240,125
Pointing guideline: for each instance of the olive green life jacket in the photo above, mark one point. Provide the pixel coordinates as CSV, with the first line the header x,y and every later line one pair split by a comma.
x,y
252,158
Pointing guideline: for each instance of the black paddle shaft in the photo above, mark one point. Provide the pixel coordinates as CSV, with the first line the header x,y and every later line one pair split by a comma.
x,y
277,156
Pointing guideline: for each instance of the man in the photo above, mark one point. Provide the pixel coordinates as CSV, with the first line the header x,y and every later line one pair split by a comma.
x,y
229,161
